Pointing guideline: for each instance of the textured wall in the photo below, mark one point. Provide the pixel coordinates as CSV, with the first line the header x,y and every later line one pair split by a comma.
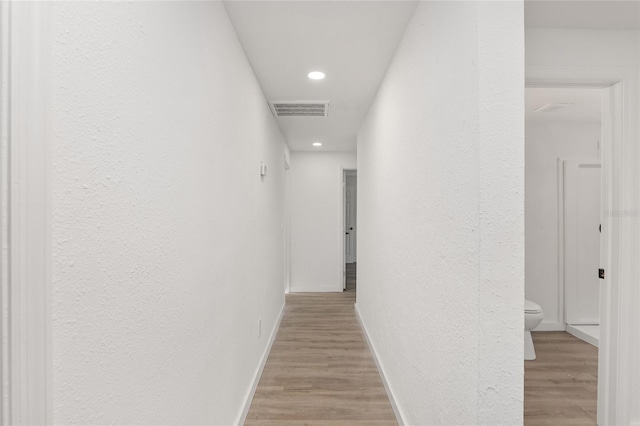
x,y
501,209
316,220
167,245
440,216
545,143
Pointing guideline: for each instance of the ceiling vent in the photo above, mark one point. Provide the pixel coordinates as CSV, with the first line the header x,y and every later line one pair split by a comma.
x,y
553,107
300,108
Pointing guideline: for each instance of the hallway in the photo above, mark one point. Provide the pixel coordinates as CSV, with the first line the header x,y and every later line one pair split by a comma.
x,y
172,170
320,369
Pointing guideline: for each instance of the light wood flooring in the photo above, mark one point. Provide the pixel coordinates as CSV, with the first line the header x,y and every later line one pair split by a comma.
x,y
560,386
320,370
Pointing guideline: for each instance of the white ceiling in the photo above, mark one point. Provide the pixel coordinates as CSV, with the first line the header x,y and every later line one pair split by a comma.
x,y
586,104
605,14
352,42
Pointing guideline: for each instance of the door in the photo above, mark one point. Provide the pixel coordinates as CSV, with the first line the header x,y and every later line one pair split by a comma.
x,y
582,241
350,218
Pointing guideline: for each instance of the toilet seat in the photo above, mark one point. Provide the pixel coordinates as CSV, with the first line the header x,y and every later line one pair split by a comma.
x,y
531,307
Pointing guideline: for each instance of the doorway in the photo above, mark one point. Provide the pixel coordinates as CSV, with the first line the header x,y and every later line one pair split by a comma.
x,y
350,227
615,136
562,238
563,213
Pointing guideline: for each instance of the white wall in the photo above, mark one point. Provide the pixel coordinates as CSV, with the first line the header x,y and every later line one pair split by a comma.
x,y
316,220
441,216
167,245
545,143
585,49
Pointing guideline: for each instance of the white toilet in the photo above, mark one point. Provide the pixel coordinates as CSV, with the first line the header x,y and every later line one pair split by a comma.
x,y
532,317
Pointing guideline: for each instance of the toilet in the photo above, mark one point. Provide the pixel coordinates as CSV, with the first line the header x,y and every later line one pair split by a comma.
x,y
532,317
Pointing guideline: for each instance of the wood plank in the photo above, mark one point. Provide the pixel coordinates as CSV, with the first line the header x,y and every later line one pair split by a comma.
x,y
561,385
320,370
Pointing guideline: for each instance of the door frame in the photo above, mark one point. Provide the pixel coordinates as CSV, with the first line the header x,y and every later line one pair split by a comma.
x,y
343,184
618,248
562,286
287,221
353,237
25,212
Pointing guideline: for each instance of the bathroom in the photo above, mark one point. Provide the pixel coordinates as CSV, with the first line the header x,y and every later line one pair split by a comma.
x,y
563,133
562,217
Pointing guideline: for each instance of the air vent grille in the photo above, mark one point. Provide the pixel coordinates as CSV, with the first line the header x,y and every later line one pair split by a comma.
x,y
300,108
553,107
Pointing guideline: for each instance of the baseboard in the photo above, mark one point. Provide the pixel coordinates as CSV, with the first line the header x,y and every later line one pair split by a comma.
x,y
576,332
550,326
256,378
387,386
321,289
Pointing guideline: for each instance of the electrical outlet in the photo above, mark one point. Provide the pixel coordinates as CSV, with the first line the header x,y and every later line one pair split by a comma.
x,y
260,327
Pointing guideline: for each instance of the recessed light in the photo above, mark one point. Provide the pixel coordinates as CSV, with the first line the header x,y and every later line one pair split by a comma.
x,y
317,144
316,75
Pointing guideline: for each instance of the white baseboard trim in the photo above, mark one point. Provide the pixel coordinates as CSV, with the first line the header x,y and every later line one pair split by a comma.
x,y
550,326
387,386
256,378
578,333
321,289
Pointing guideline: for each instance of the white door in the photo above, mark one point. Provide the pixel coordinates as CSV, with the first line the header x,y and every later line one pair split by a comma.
x,y
582,241
350,221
